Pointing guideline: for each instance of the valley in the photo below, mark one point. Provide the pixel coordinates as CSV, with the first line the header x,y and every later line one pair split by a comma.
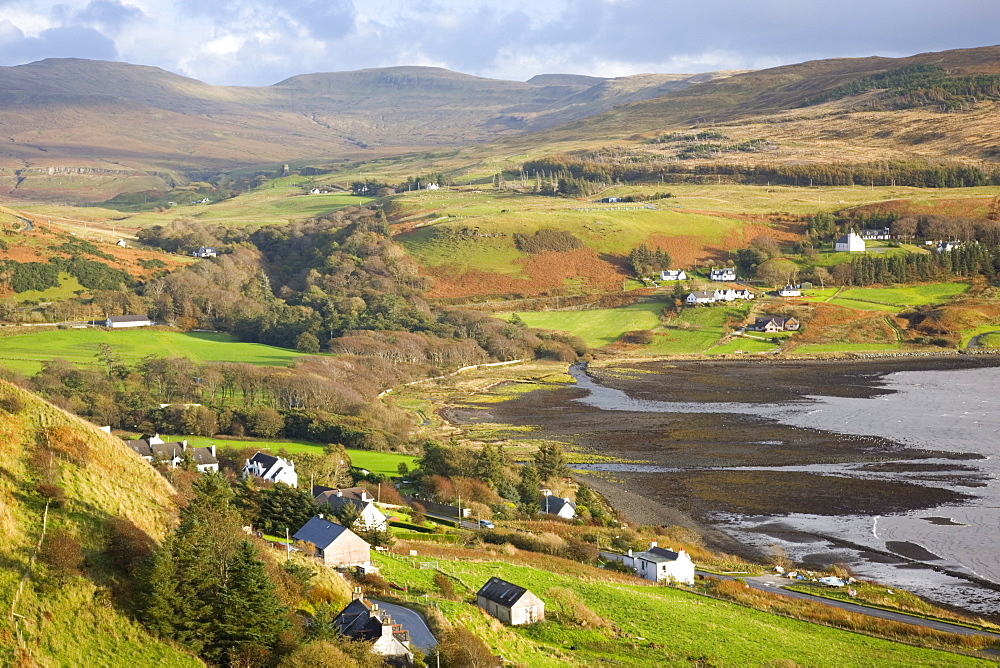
x,y
753,316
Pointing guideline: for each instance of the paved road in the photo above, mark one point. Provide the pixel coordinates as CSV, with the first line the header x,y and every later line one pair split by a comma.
x,y
974,341
420,636
465,524
775,585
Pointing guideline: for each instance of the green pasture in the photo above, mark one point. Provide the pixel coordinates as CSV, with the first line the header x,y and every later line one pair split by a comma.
x,y
695,329
598,327
915,295
385,463
606,228
655,626
25,353
991,340
746,345
275,202
68,288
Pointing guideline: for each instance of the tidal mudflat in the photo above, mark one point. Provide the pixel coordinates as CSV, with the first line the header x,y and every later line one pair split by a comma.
x,y
887,465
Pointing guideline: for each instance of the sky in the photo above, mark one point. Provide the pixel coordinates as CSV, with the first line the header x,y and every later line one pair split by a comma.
x,y
261,42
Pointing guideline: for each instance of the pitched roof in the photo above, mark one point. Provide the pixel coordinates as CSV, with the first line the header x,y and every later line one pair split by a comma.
x,y
128,318
704,294
203,456
553,504
658,555
500,591
266,461
322,532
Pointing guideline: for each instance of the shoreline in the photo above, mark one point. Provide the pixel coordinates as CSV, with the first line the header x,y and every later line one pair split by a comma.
x,y
713,467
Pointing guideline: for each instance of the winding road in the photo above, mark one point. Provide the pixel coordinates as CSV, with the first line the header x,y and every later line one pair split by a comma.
x,y
974,341
420,636
775,585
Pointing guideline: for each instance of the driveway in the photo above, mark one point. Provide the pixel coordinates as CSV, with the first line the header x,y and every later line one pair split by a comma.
x,y
420,636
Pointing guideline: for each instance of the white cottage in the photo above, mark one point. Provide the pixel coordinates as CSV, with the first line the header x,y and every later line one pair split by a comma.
x,y
673,275
509,603
124,321
850,243
701,297
369,517
658,564
271,469
560,507
724,274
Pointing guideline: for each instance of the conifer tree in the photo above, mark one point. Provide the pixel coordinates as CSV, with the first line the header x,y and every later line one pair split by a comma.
x,y
249,615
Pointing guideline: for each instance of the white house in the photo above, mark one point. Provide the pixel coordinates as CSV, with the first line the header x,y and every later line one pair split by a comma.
x,y
153,449
271,469
123,321
850,243
725,274
369,517
122,243
205,251
510,603
743,293
882,233
701,297
432,186
658,564
554,505
790,291
673,275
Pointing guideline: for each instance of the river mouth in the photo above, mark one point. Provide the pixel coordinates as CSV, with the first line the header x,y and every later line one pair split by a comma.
x,y
867,463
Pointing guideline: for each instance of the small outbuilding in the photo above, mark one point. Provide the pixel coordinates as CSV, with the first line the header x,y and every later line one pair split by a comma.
x,y
334,544
125,321
510,603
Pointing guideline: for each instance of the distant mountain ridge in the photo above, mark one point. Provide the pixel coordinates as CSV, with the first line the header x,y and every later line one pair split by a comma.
x,y
58,113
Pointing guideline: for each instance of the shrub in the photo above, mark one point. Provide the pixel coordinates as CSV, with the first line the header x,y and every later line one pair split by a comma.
x,y
545,240
127,544
12,403
639,336
62,553
54,493
445,586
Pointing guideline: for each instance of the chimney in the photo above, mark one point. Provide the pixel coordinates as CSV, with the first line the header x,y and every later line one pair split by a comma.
x,y
357,595
630,552
652,544
184,445
213,449
320,516
374,607
339,493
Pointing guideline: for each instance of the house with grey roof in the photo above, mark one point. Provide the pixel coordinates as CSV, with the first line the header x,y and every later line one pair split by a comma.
x,y
369,517
155,451
510,603
657,564
334,544
363,620
271,469
554,505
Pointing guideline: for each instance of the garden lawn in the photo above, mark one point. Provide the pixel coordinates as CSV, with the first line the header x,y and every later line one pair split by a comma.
x,y
25,353
385,463
659,626
598,327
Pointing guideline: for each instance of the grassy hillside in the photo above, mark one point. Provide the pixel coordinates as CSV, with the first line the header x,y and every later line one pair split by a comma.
x,y
64,619
27,352
646,625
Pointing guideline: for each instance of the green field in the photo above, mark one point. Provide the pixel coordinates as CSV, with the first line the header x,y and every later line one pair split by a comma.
x,y
25,353
695,330
991,340
385,463
68,288
890,299
276,202
598,327
658,626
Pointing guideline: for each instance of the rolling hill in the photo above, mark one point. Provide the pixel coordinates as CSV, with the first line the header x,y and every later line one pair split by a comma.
x,y
73,125
58,616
